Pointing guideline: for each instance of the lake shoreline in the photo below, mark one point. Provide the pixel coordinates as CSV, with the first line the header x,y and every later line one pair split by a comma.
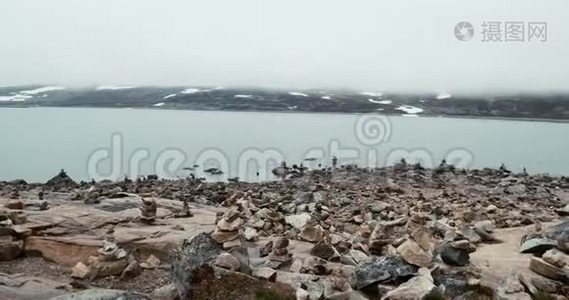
x,y
419,115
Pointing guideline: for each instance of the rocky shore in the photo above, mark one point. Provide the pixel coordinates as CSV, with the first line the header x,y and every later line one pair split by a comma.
x,y
400,232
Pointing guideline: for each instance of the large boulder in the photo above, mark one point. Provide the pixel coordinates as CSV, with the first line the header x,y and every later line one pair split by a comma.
x,y
382,269
537,245
195,254
454,256
415,288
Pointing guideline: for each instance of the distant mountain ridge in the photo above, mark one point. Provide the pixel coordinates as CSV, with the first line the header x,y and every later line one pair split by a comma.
x,y
543,106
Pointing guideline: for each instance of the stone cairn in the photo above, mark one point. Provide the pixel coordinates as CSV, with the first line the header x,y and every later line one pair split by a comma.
x,y
279,255
111,261
227,231
186,212
10,248
148,211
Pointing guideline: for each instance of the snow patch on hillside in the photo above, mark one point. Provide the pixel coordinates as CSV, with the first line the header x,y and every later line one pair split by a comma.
x,y
298,94
42,90
380,101
410,109
29,94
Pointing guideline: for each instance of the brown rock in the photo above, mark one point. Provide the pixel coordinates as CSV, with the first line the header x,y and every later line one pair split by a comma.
x,y
132,270
281,242
412,253
226,225
546,269
415,288
9,250
325,251
80,271
423,237
556,258
267,249
109,268
224,236
152,262
232,244
14,204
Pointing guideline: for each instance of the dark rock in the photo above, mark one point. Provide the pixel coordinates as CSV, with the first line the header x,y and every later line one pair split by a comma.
x,y
9,250
61,180
196,254
454,284
325,251
382,269
454,256
537,245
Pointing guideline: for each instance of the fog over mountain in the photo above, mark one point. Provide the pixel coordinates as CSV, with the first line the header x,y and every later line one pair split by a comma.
x,y
368,44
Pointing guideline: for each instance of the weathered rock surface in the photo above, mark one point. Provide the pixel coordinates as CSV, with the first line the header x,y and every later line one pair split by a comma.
x,y
195,254
382,269
417,287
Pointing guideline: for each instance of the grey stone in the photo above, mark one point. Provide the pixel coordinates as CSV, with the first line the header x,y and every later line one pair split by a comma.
x,y
453,256
198,252
537,245
382,269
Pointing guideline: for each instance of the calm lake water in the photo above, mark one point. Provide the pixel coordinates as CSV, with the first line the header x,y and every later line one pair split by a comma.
x,y
111,143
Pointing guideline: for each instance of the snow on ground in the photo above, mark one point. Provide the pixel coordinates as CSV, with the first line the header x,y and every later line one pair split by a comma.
x,y
292,107
326,97
410,109
159,104
42,90
170,96
192,91
298,94
442,96
114,87
242,96
380,101
371,94
15,98
409,115
25,95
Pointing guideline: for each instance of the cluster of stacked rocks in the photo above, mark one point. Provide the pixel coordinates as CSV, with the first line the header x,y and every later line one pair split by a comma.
x,y
551,251
401,232
10,243
11,234
112,260
148,211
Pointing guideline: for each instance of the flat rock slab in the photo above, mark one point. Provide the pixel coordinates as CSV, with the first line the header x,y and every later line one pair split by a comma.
x,y
72,232
29,287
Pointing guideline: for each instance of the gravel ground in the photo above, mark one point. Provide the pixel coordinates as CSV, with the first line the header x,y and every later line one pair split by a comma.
x,y
146,282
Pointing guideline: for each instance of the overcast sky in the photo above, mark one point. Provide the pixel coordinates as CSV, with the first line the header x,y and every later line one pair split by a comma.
x,y
360,44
